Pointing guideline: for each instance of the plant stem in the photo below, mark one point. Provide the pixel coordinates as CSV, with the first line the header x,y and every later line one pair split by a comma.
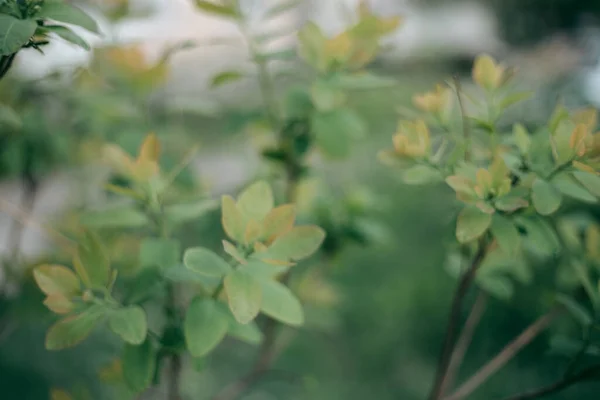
x,y
505,355
588,373
464,341
454,319
465,123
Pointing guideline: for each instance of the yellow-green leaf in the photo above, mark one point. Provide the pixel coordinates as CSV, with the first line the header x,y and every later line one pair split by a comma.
x,y
232,219
279,221
280,303
72,330
225,77
216,9
56,279
312,45
298,243
471,224
256,201
244,295
59,304
589,180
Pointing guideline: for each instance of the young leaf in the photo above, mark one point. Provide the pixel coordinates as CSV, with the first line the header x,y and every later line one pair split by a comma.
x,y
72,330
130,324
280,303
94,259
471,224
68,35
159,252
56,279
225,77
256,201
204,327
296,244
546,199
243,294
119,217
14,33
217,9
68,14
59,304
205,262
506,234
138,363
232,219
279,221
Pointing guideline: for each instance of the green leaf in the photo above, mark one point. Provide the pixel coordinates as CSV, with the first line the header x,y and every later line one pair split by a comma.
x,y
94,259
280,303
471,224
575,309
590,181
540,236
138,363
68,35
72,330
546,199
216,9
244,295
256,201
205,326
146,284
572,189
225,77
159,252
180,213
233,251
180,273
130,324
14,33
584,277
296,244
205,262
421,175
506,234
232,219
56,279
334,130
248,333
68,14
262,270
522,138
312,45
325,97
121,217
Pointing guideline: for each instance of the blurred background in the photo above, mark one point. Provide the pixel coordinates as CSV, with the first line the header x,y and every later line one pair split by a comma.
x,y
374,330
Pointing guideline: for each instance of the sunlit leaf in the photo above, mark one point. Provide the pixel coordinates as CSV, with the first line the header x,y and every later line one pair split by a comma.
x,y
280,303
56,279
232,219
256,201
298,243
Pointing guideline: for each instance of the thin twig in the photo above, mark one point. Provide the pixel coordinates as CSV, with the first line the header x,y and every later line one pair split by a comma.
x,y
454,319
505,355
464,341
588,373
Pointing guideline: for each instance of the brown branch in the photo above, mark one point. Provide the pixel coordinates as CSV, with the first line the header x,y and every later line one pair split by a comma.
x,y
505,355
454,320
464,341
589,373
